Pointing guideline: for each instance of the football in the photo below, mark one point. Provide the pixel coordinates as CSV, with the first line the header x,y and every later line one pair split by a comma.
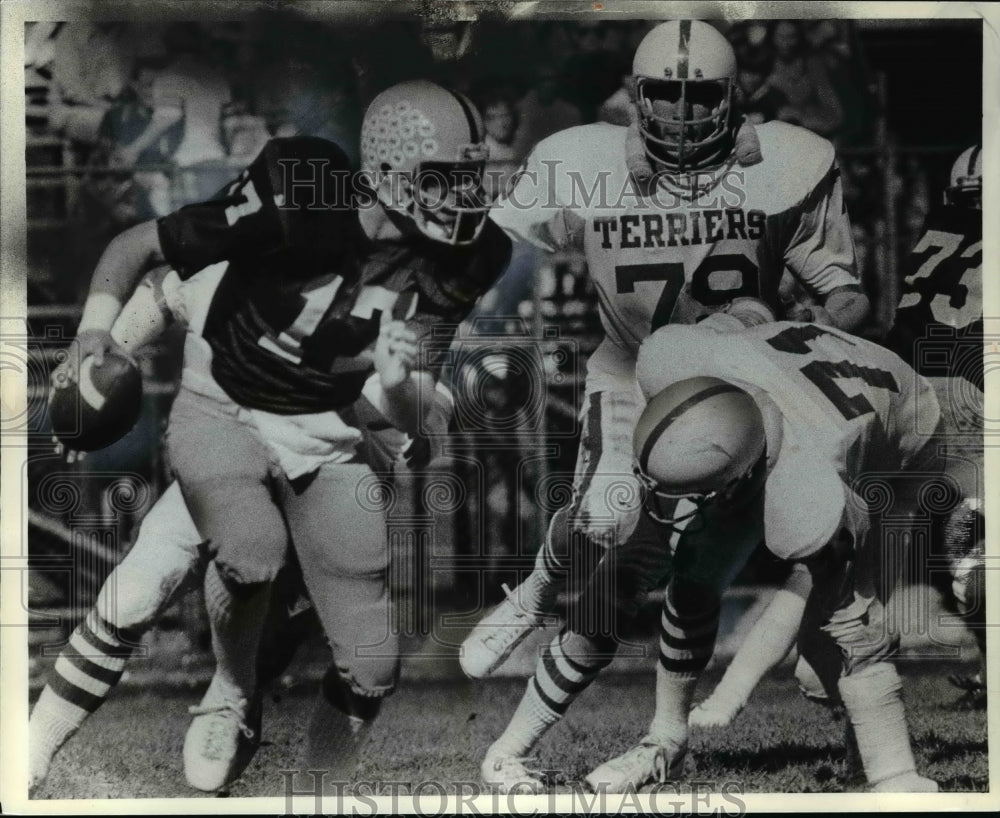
x,y
100,407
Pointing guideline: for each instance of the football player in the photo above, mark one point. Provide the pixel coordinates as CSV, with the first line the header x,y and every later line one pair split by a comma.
x,y
741,433
264,437
169,556
938,330
681,215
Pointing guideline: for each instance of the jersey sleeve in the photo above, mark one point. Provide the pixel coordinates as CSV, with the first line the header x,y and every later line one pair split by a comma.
x,y
286,198
819,247
542,202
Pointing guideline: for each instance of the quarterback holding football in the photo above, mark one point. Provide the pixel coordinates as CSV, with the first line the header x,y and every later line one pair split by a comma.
x,y
266,434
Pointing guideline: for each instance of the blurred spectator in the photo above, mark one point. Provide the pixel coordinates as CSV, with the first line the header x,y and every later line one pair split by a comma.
x,y
594,71
87,65
804,81
195,80
834,42
545,109
913,193
619,108
308,78
319,98
758,100
244,134
500,119
138,128
138,132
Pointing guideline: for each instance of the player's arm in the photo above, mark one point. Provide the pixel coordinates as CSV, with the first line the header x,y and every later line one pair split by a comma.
x,y
115,277
820,253
148,312
271,204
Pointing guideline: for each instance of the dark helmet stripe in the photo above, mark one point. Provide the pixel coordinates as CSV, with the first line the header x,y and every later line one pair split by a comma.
x,y
972,160
470,117
675,413
682,50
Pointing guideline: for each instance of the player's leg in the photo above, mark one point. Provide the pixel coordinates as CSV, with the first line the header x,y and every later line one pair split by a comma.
x,y
958,539
291,620
846,591
162,564
709,554
962,545
604,488
768,642
965,548
342,547
572,660
224,472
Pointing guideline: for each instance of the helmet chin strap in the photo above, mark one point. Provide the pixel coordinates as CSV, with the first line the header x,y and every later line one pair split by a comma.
x,y
738,493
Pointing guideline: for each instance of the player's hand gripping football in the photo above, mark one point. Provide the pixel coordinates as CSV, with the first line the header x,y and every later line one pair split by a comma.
x,y
395,353
96,342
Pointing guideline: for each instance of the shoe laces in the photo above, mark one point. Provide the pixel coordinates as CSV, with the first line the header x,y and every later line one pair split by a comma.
x,y
519,610
527,768
530,764
648,755
232,710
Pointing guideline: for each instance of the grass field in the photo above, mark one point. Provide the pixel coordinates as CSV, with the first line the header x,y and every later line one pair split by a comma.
x,y
437,730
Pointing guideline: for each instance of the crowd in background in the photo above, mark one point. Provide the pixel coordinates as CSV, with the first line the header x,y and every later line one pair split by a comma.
x,y
161,114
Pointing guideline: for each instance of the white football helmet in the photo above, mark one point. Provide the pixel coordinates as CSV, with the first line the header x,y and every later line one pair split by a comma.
x,y
702,440
965,187
684,75
423,147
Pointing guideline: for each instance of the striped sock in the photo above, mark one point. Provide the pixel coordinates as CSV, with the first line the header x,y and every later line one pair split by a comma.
x,y
84,674
686,645
566,558
565,669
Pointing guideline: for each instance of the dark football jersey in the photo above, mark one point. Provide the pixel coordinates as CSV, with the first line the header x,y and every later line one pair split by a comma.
x,y
938,327
293,322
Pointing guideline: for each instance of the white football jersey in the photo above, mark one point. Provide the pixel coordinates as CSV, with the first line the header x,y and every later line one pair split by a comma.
x,y
848,408
670,256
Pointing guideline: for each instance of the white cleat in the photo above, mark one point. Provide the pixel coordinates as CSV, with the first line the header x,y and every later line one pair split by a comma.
x,y
906,782
646,763
708,714
212,746
510,774
498,633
